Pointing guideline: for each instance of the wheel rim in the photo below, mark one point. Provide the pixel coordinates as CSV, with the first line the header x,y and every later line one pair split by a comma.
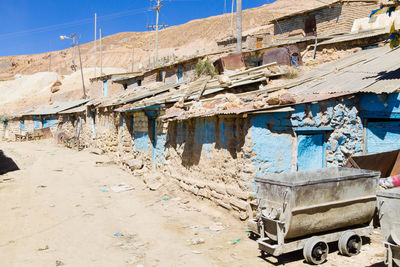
x,y
315,251
350,244
319,252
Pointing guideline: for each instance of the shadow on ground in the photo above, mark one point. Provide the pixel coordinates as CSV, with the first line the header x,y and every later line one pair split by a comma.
x,y
7,164
298,255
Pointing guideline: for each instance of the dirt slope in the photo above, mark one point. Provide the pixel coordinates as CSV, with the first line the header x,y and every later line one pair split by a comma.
x,y
181,40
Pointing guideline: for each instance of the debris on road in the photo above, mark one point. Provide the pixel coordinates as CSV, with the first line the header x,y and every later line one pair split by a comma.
x,y
236,241
118,234
59,263
216,227
122,187
197,241
97,151
45,248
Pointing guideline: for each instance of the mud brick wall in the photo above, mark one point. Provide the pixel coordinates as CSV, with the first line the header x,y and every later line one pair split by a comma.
x,y
217,158
330,20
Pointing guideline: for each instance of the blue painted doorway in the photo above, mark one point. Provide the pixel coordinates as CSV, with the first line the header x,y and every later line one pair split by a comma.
x,y
310,151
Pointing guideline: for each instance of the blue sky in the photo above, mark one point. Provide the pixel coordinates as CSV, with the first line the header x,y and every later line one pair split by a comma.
x,y
34,26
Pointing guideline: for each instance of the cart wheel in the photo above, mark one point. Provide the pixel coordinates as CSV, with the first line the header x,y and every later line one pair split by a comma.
x,y
315,250
349,243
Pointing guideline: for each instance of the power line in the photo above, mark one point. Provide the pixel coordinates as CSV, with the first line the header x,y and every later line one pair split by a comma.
x,y
72,23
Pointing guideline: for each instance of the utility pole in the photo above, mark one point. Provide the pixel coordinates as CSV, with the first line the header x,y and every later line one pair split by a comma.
x,y
101,54
95,43
239,26
157,8
75,42
148,50
133,57
51,46
152,27
80,63
233,4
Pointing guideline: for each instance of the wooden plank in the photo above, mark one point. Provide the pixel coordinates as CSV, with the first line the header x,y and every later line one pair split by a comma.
x,y
203,86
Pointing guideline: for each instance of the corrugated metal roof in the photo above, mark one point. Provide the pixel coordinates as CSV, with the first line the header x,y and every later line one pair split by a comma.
x,y
57,107
74,110
354,36
376,72
124,78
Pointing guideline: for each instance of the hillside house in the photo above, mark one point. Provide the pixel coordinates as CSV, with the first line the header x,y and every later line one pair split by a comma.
x,y
331,18
251,39
177,72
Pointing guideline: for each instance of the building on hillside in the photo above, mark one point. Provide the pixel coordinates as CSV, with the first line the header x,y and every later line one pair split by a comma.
x,y
40,121
178,72
331,17
251,39
212,137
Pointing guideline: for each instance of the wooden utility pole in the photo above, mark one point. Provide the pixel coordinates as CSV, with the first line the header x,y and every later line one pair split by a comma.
x,y
239,26
95,43
101,54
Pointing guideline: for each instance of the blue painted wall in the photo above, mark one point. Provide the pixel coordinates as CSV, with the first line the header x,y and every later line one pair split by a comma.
x,y
160,150
382,136
142,142
37,122
49,121
105,89
310,151
204,135
380,106
273,151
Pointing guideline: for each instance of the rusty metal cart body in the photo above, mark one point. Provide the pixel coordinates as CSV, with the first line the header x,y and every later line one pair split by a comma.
x,y
389,218
308,209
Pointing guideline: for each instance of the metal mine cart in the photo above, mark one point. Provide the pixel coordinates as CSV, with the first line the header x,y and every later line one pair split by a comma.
x,y
308,209
389,217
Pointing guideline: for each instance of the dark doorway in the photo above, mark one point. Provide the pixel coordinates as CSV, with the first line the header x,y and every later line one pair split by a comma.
x,y
311,27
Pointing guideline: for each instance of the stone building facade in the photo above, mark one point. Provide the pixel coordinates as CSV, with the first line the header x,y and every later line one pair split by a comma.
x,y
326,20
217,157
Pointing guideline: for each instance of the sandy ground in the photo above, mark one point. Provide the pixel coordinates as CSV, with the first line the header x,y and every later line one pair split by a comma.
x,y
60,209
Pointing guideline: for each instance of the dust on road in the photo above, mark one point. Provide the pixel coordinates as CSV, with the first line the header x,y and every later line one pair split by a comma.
x,y
61,208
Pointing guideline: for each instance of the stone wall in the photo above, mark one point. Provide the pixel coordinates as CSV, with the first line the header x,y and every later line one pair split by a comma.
x,y
330,20
217,158
107,130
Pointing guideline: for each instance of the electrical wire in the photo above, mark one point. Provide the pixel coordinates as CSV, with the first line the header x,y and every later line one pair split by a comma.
x,y
72,23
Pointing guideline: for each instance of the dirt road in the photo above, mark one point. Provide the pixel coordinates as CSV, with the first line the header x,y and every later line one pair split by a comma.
x,y
61,208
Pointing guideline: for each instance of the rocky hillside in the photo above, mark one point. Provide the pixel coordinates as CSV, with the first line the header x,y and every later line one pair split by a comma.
x,y
197,36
